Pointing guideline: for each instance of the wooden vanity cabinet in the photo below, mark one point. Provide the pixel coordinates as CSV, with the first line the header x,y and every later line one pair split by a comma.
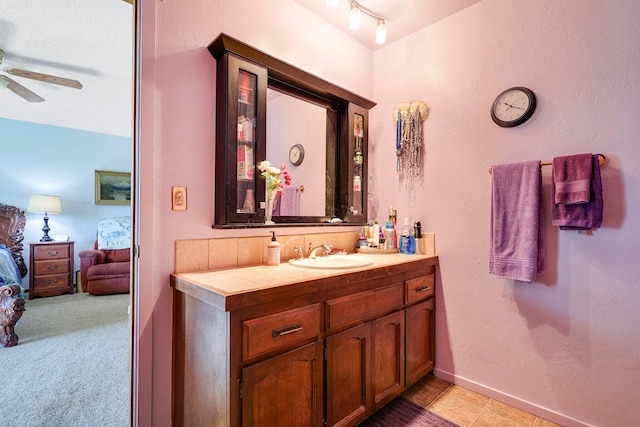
x,y
329,351
284,390
420,328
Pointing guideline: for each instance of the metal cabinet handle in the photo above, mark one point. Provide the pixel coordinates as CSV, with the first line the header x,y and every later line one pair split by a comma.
x,y
423,288
286,330
52,267
52,253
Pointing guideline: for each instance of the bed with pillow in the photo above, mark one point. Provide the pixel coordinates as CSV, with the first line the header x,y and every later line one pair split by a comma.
x,y
12,270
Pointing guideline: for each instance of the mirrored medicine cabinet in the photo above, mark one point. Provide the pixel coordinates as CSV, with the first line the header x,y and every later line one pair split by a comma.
x,y
267,109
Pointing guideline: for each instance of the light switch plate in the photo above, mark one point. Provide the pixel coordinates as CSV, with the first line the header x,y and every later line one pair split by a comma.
x,y
178,198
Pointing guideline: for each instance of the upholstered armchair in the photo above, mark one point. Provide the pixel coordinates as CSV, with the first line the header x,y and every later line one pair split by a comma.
x,y
105,270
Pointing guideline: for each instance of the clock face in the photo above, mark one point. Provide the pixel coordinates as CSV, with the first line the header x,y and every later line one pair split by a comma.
x,y
296,154
513,107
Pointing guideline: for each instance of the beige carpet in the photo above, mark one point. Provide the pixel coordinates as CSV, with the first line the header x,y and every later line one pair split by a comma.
x,y
70,367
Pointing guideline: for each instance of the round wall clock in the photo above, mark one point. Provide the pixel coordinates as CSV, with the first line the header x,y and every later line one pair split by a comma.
x,y
513,107
296,154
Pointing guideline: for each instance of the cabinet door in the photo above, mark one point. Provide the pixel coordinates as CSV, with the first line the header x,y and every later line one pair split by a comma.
x,y
356,156
419,340
285,390
240,139
348,365
387,358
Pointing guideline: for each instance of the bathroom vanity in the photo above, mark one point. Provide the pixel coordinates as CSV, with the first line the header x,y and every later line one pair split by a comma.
x,y
290,346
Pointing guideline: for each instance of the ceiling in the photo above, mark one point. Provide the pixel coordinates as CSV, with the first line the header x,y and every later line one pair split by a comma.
x,y
68,39
402,17
94,45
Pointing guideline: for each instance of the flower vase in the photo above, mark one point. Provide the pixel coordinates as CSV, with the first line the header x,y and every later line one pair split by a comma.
x,y
270,196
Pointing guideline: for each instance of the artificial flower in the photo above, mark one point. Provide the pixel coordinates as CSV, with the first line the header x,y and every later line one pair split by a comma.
x,y
276,178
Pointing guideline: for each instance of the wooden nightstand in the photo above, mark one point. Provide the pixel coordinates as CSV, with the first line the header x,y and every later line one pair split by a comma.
x,y
51,269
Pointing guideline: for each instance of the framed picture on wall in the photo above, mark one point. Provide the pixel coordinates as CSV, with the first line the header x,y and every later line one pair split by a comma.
x,y
113,188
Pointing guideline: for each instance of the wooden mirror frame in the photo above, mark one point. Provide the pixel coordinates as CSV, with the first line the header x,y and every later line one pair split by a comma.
x,y
298,83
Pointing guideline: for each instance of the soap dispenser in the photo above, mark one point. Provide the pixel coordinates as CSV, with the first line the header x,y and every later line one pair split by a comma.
x,y
273,250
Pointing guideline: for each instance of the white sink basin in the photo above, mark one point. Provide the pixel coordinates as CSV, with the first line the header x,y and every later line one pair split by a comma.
x,y
332,262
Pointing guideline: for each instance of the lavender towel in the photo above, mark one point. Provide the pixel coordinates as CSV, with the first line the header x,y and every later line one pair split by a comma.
x,y
572,175
517,220
583,216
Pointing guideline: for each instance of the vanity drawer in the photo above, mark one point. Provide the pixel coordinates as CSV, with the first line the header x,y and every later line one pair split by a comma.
x,y
47,252
268,333
419,289
352,309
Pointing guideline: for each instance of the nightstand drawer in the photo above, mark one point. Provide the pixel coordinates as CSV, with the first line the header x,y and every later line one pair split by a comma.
x,y
51,282
268,333
52,267
46,252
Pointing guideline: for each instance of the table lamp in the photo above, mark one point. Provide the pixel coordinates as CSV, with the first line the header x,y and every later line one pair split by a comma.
x,y
39,203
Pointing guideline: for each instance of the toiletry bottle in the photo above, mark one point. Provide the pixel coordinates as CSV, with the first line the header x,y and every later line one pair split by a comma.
x,y
412,242
389,237
376,234
417,227
393,214
362,239
404,245
273,251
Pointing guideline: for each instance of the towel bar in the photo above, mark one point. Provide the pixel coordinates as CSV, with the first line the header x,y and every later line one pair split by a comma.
x,y
602,159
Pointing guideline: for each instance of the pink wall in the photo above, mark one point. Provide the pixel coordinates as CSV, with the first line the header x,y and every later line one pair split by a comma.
x,y
177,141
567,346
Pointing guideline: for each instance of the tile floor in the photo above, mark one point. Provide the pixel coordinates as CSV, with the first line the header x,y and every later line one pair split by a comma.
x,y
467,408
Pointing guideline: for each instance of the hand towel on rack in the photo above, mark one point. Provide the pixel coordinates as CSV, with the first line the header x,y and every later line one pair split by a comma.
x,y
584,216
572,175
290,202
517,244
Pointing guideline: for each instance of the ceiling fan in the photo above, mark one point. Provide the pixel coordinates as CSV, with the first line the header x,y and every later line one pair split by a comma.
x,y
18,89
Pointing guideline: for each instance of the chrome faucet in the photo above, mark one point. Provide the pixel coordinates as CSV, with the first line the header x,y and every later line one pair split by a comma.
x,y
326,250
299,252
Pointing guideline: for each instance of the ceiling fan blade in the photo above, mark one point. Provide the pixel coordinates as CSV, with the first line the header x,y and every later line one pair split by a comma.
x,y
20,90
44,77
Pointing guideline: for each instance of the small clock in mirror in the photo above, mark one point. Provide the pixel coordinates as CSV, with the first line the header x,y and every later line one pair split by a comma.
x,y
513,107
296,154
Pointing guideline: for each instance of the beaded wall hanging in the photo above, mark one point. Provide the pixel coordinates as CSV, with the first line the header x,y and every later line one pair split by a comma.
x,y
408,118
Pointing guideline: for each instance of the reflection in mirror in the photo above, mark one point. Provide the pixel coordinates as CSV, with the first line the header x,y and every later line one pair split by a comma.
x,y
292,121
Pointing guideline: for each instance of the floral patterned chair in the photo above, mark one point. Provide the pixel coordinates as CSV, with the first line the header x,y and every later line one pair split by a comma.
x,y
12,270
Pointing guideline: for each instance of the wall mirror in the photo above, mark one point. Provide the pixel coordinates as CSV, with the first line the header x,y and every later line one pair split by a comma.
x,y
266,107
295,124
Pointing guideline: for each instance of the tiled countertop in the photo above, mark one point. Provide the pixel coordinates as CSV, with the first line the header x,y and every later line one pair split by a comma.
x,y
216,287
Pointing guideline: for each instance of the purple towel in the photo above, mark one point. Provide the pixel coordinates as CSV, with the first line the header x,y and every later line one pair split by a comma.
x,y
584,216
517,220
572,175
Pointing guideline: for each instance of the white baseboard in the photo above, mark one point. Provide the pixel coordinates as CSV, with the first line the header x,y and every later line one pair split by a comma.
x,y
508,399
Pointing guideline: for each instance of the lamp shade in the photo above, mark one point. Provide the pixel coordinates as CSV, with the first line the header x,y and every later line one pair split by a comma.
x,y
39,203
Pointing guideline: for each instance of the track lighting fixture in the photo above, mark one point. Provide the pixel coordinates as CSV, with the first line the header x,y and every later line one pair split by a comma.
x,y
381,32
355,11
354,17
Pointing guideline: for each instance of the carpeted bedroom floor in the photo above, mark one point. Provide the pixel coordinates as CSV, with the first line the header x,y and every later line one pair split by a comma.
x,y
71,364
